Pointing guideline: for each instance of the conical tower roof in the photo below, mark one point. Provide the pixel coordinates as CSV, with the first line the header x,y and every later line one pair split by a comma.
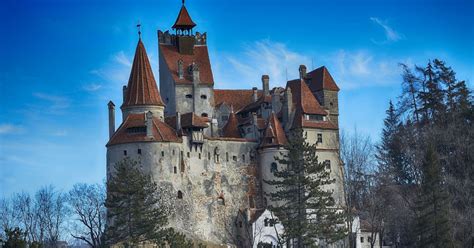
x,y
231,128
141,88
183,21
274,133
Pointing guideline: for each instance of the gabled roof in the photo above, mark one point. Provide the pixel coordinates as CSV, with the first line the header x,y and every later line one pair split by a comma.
x,y
161,131
256,105
303,99
320,79
236,98
188,120
183,21
200,56
231,128
142,89
274,134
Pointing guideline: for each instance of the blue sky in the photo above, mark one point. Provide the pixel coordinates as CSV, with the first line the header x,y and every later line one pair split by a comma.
x,y
61,62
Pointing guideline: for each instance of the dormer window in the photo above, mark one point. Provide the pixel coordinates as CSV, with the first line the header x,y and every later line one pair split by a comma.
x,y
315,117
136,130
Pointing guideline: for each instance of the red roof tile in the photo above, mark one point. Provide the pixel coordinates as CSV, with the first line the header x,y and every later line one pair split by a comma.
x,y
236,98
161,131
188,120
321,79
200,57
231,128
299,121
256,105
274,134
303,99
183,21
142,89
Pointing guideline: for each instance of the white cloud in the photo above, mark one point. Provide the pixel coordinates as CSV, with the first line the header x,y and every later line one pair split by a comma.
x,y
390,34
122,59
60,133
55,103
256,59
10,128
350,69
92,87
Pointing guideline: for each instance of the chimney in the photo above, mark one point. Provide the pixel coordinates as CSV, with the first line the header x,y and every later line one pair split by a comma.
x,y
195,70
111,118
287,108
276,103
254,94
180,69
266,85
214,128
149,124
302,70
124,91
178,122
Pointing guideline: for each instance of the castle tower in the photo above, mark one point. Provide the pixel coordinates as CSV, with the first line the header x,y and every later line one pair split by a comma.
x,y
270,147
141,93
186,80
325,89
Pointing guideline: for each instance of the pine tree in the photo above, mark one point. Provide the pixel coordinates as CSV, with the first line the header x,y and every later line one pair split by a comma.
x,y
390,153
133,207
306,210
432,96
433,222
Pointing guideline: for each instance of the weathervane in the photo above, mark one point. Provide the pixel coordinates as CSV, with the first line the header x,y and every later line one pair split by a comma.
x,y
139,29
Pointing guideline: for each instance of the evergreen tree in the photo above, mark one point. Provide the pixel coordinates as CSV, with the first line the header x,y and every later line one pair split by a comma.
x,y
15,238
390,154
306,210
133,207
432,96
433,221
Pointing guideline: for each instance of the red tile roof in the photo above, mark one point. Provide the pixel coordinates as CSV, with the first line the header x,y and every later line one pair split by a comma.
x,y
321,79
274,134
200,57
183,21
299,122
161,131
236,98
188,120
303,99
231,128
142,89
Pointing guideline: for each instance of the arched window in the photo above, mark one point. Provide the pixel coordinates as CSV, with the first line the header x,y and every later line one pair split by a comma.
x,y
274,167
180,194
189,96
203,97
204,114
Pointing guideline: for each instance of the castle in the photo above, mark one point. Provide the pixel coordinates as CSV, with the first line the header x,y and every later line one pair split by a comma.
x,y
210,150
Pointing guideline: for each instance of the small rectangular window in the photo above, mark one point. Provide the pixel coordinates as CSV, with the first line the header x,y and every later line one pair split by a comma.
x,y
362,239
175,170
327,164
320,138
188,155
140,151
125,152
199,155
162,153
234,158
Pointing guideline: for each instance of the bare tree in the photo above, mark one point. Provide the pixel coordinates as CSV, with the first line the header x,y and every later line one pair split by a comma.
x,y
52,212
87,204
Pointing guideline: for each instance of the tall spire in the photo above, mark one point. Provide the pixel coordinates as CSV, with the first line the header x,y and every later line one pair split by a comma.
x,y
141,88
183,21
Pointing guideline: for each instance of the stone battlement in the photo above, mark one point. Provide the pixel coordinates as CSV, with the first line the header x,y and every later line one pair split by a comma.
x,y
171,39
